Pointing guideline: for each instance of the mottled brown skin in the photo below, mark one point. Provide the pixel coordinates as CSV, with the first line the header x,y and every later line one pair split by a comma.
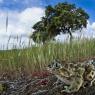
x,y
89,75
76,82
75,75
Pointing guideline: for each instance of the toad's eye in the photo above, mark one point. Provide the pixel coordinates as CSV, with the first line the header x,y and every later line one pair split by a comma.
x,y
57,65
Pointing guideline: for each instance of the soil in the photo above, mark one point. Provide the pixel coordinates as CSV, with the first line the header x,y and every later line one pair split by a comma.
x,y
42,83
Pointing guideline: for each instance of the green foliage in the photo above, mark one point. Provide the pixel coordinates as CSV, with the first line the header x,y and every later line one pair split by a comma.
x,y
63,17
3,87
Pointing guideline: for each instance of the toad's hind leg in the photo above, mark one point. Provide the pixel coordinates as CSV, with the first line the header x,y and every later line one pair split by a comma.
x,y
74,87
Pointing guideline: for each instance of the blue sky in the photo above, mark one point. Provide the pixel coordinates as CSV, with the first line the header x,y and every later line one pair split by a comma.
x,y
87,5
23,14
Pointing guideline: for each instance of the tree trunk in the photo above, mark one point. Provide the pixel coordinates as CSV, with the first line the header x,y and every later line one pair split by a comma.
x,y
71,36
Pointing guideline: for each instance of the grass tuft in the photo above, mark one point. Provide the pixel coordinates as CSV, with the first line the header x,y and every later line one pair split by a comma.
x,y
37,57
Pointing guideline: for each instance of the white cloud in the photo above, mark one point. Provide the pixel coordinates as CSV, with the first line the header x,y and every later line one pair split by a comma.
x,y
31,15
93,26
89,32
20,24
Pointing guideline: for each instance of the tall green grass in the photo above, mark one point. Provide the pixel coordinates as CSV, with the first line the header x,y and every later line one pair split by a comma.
x,y
37,57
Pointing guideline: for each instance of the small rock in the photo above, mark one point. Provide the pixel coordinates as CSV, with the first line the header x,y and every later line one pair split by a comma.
x,y
43,92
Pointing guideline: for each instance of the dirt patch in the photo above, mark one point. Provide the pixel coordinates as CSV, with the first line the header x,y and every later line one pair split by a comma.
x,y
38,84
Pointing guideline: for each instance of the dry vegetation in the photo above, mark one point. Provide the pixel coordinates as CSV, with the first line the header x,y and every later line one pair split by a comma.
x,y
37,57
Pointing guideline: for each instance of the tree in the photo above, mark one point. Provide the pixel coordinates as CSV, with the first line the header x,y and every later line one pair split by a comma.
x,y
63,17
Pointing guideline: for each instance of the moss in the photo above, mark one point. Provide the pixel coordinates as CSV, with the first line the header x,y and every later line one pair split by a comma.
x,y
3,87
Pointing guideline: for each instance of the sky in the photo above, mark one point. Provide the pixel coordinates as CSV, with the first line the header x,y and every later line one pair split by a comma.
x,y
23,14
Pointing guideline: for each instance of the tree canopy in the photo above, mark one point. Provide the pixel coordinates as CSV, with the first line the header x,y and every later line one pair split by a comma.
x,y
63,17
